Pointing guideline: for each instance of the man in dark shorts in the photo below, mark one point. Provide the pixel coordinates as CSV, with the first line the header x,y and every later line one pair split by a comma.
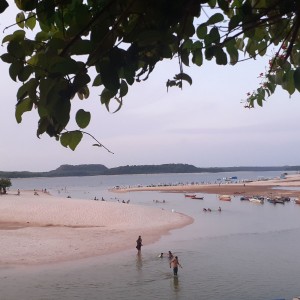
x,y
175,263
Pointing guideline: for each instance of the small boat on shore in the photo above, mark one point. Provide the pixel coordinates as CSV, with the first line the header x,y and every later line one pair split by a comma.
x,y
197,197
224,198
276,200
190,195
297,200
244,198
256,200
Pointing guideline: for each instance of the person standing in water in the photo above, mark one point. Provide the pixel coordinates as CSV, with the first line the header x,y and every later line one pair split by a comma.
x,y
175,263
170,255
139,244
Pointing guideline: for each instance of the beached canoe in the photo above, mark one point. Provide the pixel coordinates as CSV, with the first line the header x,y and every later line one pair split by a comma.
x,y
197,197
189,195
276,200
256,200
224,198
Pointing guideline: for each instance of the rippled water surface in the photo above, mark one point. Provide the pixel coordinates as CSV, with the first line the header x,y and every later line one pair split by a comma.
x,y
247,251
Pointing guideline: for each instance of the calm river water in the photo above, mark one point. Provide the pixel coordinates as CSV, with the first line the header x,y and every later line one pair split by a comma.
x,y
247,251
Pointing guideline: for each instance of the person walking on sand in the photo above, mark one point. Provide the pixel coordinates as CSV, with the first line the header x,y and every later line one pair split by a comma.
x,y
175,263
139,244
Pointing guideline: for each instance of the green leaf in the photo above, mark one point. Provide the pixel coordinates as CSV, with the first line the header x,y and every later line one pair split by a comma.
x,y
214,35
224,5
7,38
14,49
209,53
7,58
19,35
216,18
42,36
20,18
197,57
221,57
109,76
63,66
26,5
21,107
71,139
106,96
232,51
81,80
184,55
297,78
251,47
288,82
123,89
3,6
240,44
83,118
83,93
279,77
212,3
29,88
201,31
188,44
97,80
65,139
25,73
15,69
234,22
75,138
30,21
262,48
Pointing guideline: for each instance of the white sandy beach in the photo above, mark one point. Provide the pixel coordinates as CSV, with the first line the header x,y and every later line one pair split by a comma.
x,y
37,229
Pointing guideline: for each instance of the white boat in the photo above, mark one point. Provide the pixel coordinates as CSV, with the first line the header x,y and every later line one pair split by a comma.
x,y
224,198
256,200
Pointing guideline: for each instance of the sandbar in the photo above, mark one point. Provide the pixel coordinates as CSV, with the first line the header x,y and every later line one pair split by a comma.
x,y
259,187
42,229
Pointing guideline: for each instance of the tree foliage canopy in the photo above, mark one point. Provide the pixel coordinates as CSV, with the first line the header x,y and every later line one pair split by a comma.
x,y
60,44
4,184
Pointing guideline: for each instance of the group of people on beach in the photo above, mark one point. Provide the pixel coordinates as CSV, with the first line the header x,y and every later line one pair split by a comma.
x,y
173,260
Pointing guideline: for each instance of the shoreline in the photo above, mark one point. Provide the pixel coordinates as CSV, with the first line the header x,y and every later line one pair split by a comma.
x,y
264,188
42,229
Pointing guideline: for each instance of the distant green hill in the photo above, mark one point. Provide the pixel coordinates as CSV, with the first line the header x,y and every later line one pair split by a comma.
x,y
97,169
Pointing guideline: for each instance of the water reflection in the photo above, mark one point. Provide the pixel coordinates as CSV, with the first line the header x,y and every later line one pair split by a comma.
x,y
139,262
176,284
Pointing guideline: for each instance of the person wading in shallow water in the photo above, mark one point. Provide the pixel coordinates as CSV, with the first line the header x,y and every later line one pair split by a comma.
x,y
139,244
175,263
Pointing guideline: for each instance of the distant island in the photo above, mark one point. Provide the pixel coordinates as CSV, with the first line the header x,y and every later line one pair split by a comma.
x,y
98,169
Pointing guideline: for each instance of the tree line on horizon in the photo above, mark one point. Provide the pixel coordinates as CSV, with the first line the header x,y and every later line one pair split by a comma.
x,y
99,169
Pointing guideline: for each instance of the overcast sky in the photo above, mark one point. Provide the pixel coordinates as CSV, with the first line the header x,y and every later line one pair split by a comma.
x,y
204,124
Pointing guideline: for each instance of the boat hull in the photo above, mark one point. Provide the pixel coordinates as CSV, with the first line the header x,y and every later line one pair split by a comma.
x,y
225,198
